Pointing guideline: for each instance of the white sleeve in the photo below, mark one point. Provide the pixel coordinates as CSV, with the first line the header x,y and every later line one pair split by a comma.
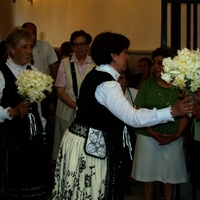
x,y
111,96
3,111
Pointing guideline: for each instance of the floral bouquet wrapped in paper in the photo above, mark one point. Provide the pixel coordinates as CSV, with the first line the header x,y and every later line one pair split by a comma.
x,y
32,85
183,71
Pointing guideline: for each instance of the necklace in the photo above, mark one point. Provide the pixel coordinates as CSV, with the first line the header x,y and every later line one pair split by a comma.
x,y
167,99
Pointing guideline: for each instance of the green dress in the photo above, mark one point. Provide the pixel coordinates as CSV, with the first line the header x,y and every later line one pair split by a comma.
x,y
164,163
154,162
150,96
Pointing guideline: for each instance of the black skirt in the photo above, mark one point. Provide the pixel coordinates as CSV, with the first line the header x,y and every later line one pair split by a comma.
x,y
23,167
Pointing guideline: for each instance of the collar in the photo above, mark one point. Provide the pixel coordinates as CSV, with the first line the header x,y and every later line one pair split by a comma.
x,y
88,59
107,68
37,44
11,64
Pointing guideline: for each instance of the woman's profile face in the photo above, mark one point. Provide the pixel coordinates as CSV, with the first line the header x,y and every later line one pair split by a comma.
x,y
22,52
80,46
120,61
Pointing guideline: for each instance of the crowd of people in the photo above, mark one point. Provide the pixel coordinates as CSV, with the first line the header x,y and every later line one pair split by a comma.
x,y
110,125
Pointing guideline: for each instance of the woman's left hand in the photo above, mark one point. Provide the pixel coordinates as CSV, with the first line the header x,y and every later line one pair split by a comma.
x,y
159,137
20,110
170,138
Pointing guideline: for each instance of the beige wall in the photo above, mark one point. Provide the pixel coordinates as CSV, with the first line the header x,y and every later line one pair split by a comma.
x,y
139,20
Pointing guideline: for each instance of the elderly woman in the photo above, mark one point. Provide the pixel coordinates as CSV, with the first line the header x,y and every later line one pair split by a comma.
x,y
164,159
90,160
71,72
22,157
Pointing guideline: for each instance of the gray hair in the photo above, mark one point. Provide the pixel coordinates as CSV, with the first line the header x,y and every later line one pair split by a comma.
x,y
15,35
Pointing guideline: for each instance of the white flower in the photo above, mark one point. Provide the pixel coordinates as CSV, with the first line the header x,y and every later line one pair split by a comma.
x,y
32,85
183,71
167,77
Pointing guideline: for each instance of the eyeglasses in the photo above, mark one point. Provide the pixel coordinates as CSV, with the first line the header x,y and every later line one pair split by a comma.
x,y
76,45
159,62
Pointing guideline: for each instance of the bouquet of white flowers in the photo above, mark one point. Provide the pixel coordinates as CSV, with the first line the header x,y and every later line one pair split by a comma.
x,y
32,85
183,71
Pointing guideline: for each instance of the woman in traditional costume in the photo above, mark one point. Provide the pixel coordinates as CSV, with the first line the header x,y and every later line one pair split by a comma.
x,y
23,160
90,160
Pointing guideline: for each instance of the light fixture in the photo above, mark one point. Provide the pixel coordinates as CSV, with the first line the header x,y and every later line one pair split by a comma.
x,y
31,1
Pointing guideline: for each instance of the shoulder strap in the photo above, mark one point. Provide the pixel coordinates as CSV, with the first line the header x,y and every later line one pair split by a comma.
x,y
129,92
74,81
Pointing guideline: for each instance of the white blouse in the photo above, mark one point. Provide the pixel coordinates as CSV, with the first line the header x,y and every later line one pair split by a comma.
x,y
112,97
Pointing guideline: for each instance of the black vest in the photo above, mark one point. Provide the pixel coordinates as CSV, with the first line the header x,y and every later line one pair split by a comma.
x,y
18,128
91,113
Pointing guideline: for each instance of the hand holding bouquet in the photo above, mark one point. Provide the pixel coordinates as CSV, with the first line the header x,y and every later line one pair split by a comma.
x,y
32,86
183,71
